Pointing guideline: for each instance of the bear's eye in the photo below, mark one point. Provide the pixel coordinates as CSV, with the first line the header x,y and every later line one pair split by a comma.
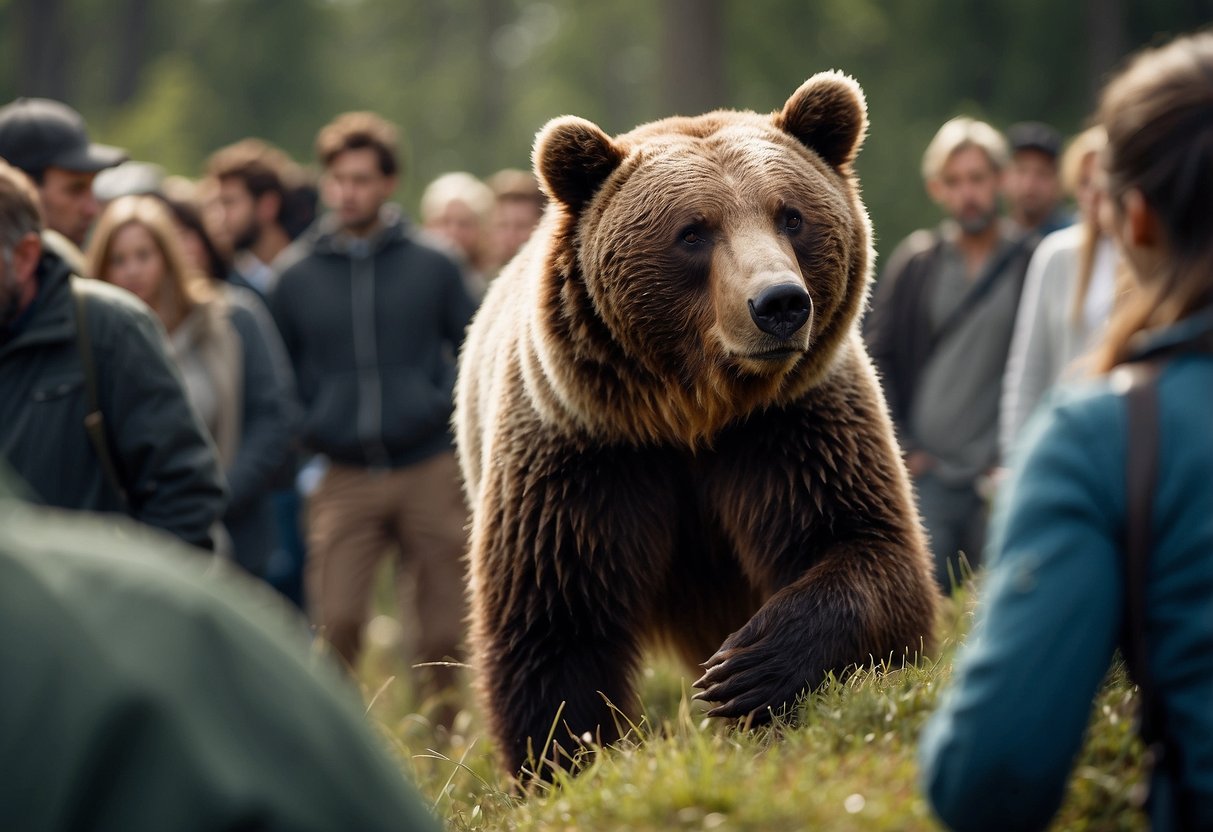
x,y
792,220
693,235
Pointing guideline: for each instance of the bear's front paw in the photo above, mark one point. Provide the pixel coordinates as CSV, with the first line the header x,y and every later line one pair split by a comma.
x,y
757,672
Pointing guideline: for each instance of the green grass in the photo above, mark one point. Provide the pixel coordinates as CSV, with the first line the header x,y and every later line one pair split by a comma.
x,y
848,764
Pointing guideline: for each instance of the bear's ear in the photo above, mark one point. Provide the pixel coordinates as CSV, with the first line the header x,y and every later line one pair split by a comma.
x,y
573,157
829,115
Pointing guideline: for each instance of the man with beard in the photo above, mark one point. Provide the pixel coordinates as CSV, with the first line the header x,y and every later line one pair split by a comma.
x,y
939,331
1033,181
372,317
255,182
94,412
257,186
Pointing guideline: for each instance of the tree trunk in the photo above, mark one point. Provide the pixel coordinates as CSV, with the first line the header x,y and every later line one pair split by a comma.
x,y
132,35
44,49
692,56
494,15
1106,42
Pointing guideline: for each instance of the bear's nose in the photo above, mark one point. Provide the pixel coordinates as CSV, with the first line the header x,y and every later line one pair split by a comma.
x,y
781,309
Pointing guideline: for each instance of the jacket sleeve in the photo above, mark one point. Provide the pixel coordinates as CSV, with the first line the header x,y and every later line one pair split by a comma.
x,y
278,303
998,751
460,306
270,415
166,457
1031,363
880,325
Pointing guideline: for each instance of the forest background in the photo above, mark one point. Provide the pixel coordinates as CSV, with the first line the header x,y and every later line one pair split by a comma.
x,y
471,81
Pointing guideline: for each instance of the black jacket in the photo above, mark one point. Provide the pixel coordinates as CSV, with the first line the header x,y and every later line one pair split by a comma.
x,y
372,327
164,458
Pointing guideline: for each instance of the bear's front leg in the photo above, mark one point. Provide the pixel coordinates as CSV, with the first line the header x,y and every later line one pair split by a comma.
x,y
826,528
840,614
568,548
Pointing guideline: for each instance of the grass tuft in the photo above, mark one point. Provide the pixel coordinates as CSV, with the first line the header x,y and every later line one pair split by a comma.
x,y
845,760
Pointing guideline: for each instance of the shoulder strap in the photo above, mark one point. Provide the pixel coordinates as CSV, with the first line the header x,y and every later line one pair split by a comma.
x,y
1141,474
988,280
94,420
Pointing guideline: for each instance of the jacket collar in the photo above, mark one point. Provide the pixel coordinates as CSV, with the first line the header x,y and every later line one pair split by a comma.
x,y
330,239
1195,328
51,316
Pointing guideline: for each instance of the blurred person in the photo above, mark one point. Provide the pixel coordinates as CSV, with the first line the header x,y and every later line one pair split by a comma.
x,y
455,208
372,317
207,198
263,205
1086,555
518,205
196,242
939,330
128,178
302,205
256,181
1067,295
1032,184
94,413
48,140
234,366
146,691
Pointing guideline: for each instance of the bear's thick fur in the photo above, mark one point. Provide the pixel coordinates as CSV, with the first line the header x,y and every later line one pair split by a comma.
x,y
670,431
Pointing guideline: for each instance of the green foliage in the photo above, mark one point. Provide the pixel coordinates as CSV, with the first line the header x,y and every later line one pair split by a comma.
x,y
161,123
471,81
847,763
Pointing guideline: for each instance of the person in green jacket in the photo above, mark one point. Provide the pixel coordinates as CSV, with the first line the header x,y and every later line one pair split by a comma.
x,y
998,752
148,689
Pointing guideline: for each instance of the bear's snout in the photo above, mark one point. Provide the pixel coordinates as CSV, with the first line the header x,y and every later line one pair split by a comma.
x,y
781,310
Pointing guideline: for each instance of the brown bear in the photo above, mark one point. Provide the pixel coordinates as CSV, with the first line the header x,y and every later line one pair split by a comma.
x,y
670,432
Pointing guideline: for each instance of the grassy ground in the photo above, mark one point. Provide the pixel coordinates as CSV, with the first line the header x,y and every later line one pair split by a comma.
x,y
849,764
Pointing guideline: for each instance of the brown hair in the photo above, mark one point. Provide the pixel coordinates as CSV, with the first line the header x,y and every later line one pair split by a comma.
x,y
20,209
1159,116
261,167
186,287
355,131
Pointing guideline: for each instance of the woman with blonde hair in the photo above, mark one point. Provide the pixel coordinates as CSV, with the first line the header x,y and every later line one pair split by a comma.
x,y
1067,295
1105,534
232,361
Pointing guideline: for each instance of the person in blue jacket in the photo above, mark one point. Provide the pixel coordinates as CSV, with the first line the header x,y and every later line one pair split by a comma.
x,y
998,752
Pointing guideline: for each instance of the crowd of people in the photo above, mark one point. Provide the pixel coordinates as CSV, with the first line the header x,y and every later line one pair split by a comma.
x,y
220,360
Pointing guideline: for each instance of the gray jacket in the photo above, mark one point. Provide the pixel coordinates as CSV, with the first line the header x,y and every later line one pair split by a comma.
x,y
372,327
164,458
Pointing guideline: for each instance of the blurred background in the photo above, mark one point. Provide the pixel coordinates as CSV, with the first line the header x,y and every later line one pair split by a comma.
x,y
470,81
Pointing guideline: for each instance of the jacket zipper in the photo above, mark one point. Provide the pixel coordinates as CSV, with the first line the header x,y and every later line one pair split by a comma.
x,y
366,357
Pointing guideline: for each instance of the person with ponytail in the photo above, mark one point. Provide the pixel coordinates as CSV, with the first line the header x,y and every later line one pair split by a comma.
x,y
1087,554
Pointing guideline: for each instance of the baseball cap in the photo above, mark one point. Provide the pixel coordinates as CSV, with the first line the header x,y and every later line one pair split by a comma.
x,y
1034,135
38,133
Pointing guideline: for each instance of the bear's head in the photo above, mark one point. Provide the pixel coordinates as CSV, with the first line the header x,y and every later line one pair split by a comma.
x,y
700,268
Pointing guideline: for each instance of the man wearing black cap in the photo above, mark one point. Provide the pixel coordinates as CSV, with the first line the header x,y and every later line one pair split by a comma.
x,y
1032,184
48,141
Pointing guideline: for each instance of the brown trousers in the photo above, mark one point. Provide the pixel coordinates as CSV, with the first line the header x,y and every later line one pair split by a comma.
x,y
356,516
